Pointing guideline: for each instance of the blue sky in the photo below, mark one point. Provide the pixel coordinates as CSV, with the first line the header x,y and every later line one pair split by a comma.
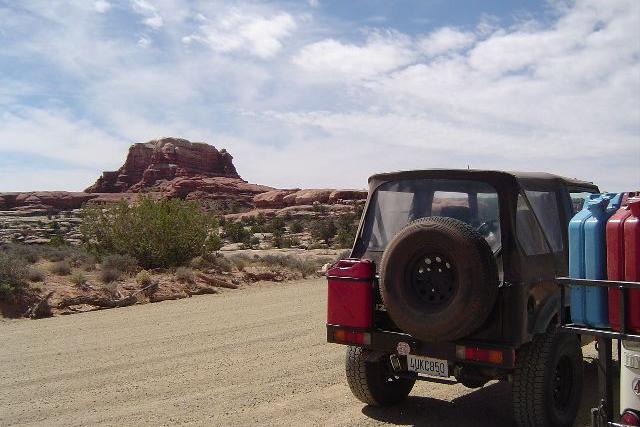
x,y
321,93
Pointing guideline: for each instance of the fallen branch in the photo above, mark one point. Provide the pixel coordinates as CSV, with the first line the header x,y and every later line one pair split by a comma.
x,y
40,309
214,281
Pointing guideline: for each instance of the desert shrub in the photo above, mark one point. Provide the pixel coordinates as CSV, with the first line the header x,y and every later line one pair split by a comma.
x,y
214,261
347,226
296,227
143,278
61,268
184,275
276,225
254,242
277,238
122,263
35,274
240,261
13,270
29,253
109,275
323,230
57,240
304,265
163,233
78,279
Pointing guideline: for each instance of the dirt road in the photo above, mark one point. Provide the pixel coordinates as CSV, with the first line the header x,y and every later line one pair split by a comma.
x,y
255,356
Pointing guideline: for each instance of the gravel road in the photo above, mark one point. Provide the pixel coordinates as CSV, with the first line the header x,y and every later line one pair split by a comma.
x,y
255,356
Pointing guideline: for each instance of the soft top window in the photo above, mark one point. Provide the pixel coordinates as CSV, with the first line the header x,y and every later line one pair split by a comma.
x,y
396,203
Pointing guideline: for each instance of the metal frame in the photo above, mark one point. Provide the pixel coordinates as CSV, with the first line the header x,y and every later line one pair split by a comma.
x,y
603,337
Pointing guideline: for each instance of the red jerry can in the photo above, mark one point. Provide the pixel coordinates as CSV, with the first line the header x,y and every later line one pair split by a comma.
x,y
350,293
623,261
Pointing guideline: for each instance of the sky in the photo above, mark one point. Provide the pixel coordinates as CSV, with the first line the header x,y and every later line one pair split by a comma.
x,y
320,93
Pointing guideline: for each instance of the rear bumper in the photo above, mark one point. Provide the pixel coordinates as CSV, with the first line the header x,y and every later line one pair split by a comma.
x,y
387,341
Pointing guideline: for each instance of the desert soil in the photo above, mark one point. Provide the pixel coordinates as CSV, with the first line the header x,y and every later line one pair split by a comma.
x,y
253,357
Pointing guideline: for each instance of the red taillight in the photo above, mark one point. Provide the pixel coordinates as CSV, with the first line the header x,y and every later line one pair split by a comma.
x,y
477,354
345,336
630,418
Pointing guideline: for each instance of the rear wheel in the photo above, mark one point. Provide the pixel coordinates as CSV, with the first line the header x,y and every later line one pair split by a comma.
x,y
372,380
547,382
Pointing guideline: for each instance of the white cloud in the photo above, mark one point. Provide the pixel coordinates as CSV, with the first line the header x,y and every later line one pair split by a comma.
x,y
58,135
314,3
101,6
558,95
148,11
239,31
445,40
331,59
144,42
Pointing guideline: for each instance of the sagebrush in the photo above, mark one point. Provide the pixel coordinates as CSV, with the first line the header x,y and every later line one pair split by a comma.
x,y
164,233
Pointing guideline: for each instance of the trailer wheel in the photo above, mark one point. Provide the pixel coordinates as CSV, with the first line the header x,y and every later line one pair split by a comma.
x,y
371,378
547,381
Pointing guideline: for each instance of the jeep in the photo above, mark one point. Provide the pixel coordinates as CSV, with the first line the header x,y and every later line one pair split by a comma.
x,y
451,278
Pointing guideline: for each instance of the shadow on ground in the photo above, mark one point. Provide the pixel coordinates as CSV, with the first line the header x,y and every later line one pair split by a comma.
x,y
489,406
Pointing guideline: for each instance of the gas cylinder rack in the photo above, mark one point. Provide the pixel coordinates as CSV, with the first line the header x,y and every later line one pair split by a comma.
x,y
604,336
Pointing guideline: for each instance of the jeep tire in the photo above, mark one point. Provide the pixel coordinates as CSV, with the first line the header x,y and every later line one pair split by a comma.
x,y
547,381
372,379
438,279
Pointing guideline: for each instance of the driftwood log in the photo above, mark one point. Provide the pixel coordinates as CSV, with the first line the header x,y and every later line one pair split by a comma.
x,y
105,302
214,281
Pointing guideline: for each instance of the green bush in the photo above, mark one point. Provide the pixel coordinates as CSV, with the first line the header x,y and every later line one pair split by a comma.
x,y
165,233
236,232
296,227
323,230
78,279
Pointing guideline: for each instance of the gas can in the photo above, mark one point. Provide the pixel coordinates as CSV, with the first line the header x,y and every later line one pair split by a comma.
x,y
623,261
587,258
350,293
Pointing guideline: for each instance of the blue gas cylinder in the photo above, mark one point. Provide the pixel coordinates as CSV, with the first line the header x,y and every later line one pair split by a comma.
x,y
587,258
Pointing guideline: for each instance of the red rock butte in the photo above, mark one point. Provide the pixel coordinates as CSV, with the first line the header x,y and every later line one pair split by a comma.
x,y
165,159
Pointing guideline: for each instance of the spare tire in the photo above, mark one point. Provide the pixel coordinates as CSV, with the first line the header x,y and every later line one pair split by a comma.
x,y
438,279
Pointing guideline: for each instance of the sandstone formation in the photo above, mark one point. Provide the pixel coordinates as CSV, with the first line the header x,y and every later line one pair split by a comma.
x,y
165,159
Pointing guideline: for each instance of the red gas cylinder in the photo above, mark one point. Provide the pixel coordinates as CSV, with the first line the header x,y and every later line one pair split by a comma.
x,y
623,261
350,293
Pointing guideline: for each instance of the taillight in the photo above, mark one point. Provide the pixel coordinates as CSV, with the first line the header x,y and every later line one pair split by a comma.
x,y
477,354
346,336
630,418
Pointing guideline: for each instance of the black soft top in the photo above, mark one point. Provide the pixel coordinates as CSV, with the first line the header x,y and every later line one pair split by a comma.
x,y
499,177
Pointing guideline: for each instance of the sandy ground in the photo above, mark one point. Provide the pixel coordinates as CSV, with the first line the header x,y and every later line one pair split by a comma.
x,y
252,357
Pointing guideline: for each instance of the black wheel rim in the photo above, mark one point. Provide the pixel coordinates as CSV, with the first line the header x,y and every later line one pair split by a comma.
x,y
563,383
432,280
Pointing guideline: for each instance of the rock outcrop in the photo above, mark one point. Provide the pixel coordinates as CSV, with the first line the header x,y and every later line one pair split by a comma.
x,y
173,168
165,159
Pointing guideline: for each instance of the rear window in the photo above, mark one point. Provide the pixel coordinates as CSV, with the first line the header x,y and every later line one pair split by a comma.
x,y
396,203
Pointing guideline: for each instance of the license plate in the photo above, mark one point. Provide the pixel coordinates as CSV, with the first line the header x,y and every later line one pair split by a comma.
x,y
428,366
